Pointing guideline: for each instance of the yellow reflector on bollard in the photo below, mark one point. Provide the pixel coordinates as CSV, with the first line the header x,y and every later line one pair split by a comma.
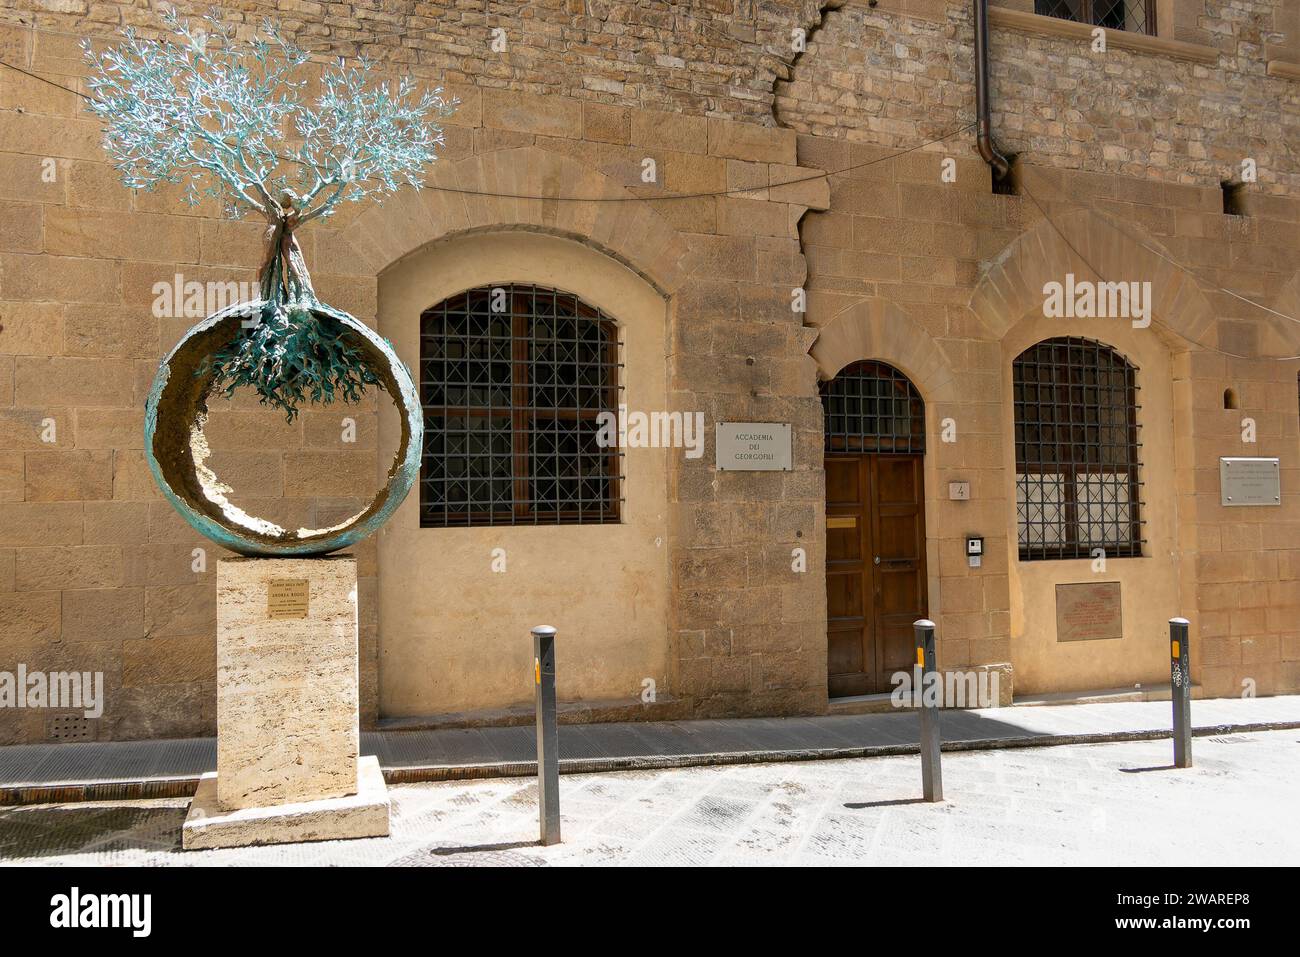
x,y
1173,652
920,657
537,671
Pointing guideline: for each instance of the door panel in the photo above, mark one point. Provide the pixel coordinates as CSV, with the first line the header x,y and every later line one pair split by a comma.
x,y
875,568
847,597
844,596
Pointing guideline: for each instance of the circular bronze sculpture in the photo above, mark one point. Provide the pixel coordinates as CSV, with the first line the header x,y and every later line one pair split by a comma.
x,y
177,410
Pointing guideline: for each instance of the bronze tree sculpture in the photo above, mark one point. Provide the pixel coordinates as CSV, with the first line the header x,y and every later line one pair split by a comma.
x,y
231,119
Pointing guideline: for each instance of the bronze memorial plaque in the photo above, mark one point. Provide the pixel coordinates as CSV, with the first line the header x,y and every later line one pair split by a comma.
x,y
1087,611
286,598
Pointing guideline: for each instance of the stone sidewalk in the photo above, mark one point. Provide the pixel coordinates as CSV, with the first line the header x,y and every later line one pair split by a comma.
x,y
147,769
1104,804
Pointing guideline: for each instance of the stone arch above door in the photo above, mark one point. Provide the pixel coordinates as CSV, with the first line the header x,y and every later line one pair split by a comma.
x,y
1288,304
481,193
879,329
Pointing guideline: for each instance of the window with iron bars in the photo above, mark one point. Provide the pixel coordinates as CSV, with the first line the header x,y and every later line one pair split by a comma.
x,y
872,407
1076,432
513,379
1135,16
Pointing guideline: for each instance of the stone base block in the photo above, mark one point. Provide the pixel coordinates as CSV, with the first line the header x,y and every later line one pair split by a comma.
x,y
364,814
287,728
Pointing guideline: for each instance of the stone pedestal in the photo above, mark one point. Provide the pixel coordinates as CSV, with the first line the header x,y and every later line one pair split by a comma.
x,y
288,742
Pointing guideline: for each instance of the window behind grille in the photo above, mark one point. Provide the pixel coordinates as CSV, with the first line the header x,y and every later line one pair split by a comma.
x,y
872,407
1135,16
513,379
1076,432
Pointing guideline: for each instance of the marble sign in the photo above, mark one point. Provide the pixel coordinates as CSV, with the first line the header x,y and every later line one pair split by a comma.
x,y
753,447
1249,481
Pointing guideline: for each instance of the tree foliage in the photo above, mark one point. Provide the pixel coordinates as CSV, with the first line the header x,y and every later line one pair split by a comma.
x,y
248,121
233,119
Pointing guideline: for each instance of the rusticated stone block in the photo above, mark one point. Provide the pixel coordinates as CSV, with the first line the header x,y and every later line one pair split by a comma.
x,y
31,328
119,235
108,331
230,429
11,477
155,661
28,616
154,711
103,614
41,523
96,186
110,429
60,382
548,115
672,131
20,227
69,476
58,278
116,523
749,141
287,710
605,124
88,566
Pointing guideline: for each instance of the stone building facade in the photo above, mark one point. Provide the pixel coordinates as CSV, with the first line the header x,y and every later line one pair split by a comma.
x,y
799,150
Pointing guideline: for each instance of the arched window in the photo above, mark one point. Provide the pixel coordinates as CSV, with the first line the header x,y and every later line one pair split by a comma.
x,y
512,381
872,407
1077,486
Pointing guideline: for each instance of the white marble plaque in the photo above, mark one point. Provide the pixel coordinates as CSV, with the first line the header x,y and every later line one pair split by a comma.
x,y
753,447
1249,481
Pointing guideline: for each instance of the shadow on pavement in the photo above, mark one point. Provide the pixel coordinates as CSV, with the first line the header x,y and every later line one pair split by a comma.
x,y
1156,767
51,830
479,848
862,805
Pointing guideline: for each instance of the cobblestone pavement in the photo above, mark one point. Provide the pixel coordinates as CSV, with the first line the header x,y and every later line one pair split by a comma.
x,y
1080,804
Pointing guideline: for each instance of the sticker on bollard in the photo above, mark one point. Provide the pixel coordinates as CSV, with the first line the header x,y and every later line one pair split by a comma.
x,y
548,738
1180,687
931,772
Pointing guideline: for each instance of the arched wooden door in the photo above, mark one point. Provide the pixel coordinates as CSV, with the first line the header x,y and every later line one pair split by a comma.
x,y
874,423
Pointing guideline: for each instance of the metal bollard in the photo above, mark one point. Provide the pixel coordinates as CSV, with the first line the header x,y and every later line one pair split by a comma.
x,y
548,736
931,771
1180,687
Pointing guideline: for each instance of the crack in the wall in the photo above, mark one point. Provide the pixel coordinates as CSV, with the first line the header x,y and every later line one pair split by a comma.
x,y
812,25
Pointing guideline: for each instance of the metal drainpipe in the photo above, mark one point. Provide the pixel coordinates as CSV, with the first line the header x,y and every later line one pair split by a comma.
x,y
984,133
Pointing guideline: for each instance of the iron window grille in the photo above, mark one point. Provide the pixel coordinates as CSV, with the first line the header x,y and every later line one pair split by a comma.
x,y
1135,16
872,407
512,381
1077,466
